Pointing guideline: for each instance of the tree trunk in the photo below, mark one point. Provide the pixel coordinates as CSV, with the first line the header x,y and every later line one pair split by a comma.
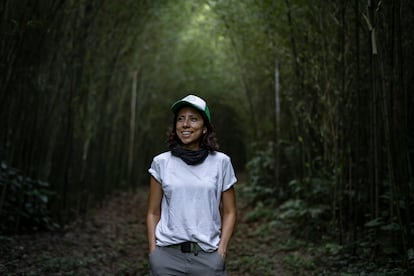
x,y
277,134
132,126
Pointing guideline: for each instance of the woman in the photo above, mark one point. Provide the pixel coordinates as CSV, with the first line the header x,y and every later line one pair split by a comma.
x,y
192,205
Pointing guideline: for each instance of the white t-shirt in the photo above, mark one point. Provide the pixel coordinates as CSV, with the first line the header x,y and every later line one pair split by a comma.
x,y
191,199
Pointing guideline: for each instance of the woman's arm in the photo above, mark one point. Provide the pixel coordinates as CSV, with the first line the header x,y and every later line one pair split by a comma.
x,y
154,211
229,214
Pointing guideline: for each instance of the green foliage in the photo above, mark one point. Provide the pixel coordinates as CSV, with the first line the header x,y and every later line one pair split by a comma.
x,y
24,202
73,264
313,189
291,244
333,248
309,209
410,257
251,265
297,262
308,220
260,211
261,176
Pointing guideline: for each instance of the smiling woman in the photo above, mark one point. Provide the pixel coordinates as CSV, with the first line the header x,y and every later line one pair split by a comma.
x,y
190,128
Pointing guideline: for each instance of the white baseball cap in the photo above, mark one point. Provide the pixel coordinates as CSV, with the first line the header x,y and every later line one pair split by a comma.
x,y
194,101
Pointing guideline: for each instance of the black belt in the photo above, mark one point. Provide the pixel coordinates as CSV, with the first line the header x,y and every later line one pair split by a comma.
x,y
187,247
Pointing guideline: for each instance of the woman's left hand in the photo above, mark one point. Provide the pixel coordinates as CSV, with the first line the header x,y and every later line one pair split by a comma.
x,y
222,252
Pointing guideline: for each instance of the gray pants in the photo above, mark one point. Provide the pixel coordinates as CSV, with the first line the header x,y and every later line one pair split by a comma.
x,y
171,261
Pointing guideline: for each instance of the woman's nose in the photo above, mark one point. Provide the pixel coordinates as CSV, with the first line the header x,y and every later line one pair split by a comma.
x,y
185,123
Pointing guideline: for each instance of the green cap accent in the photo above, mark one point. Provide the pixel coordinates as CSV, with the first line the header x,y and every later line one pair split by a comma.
x,y
194,101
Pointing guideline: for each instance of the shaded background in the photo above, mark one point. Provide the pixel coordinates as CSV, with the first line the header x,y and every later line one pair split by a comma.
x,y
312,99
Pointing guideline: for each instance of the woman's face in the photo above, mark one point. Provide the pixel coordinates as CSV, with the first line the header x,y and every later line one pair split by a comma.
x,y
190,127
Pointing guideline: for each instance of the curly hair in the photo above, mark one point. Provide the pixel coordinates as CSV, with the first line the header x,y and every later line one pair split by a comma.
x,y
208,140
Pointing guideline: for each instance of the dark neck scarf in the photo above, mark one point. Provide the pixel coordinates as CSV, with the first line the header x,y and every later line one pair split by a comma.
x,y
191,157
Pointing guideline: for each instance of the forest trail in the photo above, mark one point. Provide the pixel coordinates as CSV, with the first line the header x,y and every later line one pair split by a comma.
x,y
111,240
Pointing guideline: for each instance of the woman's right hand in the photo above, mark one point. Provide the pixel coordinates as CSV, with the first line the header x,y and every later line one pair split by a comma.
x,y
151,249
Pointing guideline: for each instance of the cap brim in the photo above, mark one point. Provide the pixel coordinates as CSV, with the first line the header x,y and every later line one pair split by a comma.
x,y
179,104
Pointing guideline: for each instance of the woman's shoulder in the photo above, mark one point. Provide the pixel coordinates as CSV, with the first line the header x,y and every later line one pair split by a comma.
x,y
219,155
163,156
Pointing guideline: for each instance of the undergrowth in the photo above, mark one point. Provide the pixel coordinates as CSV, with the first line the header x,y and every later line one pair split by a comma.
x,y
23,202
315,244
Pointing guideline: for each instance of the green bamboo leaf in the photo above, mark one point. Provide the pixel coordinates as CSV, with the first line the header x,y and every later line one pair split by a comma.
x,y
374,223
391,227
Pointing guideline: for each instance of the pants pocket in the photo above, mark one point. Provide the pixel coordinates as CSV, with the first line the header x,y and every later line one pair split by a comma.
x,y
219,261
152,256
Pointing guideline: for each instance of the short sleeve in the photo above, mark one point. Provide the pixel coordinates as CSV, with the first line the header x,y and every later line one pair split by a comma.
x,y
155,171
229,177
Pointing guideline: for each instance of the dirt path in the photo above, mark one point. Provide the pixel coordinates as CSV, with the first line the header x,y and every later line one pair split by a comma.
x,y
111,241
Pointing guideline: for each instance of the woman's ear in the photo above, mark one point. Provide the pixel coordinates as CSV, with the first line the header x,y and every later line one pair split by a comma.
x,y
205,130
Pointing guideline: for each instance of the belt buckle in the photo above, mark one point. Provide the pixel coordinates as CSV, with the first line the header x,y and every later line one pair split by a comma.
x,y
186,247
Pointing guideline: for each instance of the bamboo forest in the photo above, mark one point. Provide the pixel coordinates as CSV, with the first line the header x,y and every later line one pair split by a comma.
x,y
310,99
